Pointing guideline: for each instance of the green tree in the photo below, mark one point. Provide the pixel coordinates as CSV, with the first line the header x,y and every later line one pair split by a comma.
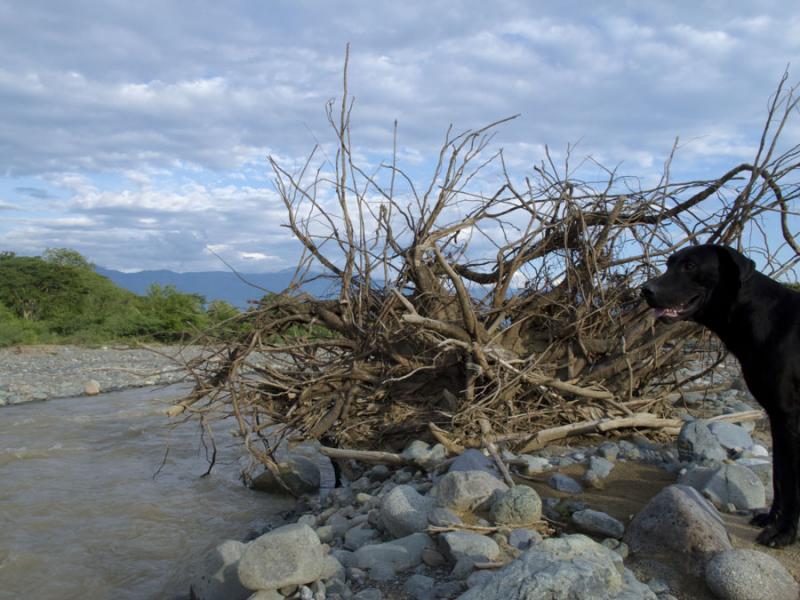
x,y
168,314
66,257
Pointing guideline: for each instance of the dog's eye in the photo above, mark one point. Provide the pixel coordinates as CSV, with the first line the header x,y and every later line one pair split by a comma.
x,y
689,266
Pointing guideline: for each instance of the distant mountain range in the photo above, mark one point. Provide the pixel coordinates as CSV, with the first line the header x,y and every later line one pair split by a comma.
x,y
214,285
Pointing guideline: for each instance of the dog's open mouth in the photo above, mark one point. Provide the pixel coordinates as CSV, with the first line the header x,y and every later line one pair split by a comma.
x,y
675,313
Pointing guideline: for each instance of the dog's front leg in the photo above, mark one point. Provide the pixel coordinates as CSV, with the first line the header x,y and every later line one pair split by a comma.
x,y
782,530
771,516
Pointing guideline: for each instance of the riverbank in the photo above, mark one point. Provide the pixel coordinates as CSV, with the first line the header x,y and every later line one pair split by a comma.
x,y
439,526
36,373
617,516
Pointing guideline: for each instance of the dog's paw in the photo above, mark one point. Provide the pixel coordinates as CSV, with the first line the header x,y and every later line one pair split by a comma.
x,y
762,519
777,538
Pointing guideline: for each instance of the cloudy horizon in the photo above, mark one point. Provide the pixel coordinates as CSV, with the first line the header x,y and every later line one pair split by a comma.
x,y
137,133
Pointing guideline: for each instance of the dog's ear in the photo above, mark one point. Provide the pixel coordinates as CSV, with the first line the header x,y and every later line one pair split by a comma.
x,y
744,266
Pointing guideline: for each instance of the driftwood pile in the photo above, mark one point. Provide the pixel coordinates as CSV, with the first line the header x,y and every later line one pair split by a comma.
x,y
469,316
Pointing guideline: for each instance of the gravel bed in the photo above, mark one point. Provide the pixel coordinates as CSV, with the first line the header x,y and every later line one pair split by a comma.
x,y
31,373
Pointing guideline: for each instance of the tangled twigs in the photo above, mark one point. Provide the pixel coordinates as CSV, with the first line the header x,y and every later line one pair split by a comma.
x,y
452,312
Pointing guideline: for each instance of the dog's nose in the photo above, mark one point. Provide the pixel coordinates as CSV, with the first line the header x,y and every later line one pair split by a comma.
x,y
648,291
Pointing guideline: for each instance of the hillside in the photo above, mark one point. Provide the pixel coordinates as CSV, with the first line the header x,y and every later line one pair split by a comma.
x,y
212,285
58,297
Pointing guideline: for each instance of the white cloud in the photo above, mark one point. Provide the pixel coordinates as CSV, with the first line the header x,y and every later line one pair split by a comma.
x,y
255,256
146,126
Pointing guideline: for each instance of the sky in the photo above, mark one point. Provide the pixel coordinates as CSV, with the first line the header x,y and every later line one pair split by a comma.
x,y
138,132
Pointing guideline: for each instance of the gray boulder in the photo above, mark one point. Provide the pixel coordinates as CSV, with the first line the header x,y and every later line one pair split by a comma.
x,y
220,579
595,522
397,555
696,476
379,473
522,538
601,466
728,484
749,575
474,460
266,595
520,505
608,450
300,474
458,545
288,555
443,517
466,490
737,485
678,525
696,443
369,594
572,567
763,469
564,483
405,511
358,536
599,469
332,567
535,464
419,587
731,436
424,455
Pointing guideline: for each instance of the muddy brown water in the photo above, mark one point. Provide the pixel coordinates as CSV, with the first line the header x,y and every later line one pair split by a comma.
x,y
84,515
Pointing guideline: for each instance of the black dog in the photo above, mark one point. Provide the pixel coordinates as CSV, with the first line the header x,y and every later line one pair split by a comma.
x,y
758,319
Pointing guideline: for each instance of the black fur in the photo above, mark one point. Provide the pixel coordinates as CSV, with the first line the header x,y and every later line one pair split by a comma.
x,y
758,319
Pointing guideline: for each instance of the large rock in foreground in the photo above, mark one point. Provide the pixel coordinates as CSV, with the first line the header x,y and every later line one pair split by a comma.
x,y
678,525
573,566
288,555
749,575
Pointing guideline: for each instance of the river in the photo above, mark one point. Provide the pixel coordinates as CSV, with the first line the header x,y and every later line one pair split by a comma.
x,y
83,513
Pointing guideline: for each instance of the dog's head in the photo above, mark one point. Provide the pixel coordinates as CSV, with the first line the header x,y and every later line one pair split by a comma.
x,y
698,279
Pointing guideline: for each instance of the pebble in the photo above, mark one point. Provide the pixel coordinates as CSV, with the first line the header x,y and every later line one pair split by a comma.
x,y
369,594
522,539
520,505
598,523
419,587
405,511
564,483
474,460
466,490
473,546
535,464
608,450
379,473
